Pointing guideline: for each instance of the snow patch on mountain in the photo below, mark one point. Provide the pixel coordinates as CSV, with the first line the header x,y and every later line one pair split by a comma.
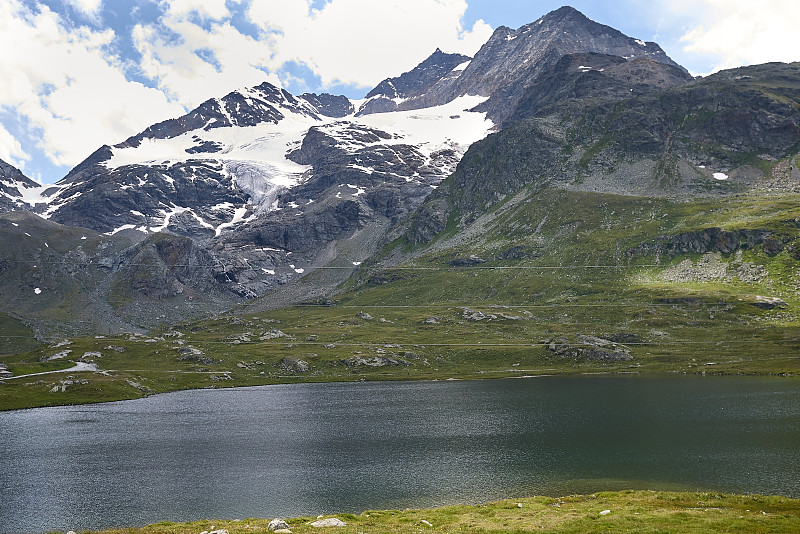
x,y
431,129
255,156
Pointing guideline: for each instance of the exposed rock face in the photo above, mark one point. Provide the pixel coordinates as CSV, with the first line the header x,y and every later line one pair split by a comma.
x,y
329,105
165,266
709,240
374,361
392,92
470,261
250,107
769,303
589,348
595,75
189,198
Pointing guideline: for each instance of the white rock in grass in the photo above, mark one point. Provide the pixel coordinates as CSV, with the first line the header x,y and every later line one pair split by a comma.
x,y
330,522
277,524
605,512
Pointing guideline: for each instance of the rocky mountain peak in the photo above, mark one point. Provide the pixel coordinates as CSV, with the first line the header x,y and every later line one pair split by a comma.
x,y
392,92
14,188
329,105
511,60
11,175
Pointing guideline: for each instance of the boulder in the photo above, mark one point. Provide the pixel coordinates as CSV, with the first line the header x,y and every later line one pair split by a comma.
x,y
272,334
589,348
277,524
56,356
329,522
768,303
476,315
470,261
374,361
294,365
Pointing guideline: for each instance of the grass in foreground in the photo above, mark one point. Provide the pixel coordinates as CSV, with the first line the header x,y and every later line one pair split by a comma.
x,y
625,511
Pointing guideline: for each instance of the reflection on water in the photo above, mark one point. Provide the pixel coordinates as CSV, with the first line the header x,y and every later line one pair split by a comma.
x,y
321,448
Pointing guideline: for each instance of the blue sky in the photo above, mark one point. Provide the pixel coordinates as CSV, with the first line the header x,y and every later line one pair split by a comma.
x,y
92,72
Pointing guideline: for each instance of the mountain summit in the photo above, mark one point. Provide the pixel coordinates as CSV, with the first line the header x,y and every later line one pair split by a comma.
x,y
512,60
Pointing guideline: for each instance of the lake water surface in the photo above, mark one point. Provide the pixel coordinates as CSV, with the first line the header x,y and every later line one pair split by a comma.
x,y
308,449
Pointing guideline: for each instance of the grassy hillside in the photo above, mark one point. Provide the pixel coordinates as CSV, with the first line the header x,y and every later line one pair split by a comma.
x,y
548,282
627,511
15,336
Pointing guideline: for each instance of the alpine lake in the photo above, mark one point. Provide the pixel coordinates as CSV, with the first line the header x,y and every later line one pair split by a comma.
x,y
290,450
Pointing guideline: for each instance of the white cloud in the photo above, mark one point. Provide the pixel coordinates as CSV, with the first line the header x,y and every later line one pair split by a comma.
x,y
212,9
69,87
11,150
742,32
88,7
202,63
356,42
361,42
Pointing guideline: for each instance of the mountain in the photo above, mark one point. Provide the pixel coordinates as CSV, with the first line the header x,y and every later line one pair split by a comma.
x,y
246,194
265,199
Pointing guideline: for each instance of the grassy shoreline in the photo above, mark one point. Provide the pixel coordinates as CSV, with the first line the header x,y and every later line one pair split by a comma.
x,y
137,367
35,391
621,511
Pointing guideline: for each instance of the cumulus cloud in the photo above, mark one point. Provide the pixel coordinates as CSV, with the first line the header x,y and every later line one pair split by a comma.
x,y
88,7
68,86
212,9
201,63
11,150
742,32
358,42
361,42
